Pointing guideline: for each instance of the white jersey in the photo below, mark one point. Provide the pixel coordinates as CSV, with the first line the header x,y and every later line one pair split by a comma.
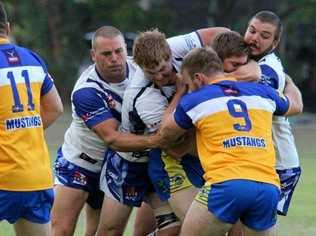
x,y
93,101
144,104
286,153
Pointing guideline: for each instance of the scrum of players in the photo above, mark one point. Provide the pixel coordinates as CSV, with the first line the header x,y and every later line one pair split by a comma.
x,y
191,130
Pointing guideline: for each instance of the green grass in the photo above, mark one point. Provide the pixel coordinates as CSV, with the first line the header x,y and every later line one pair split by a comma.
x,y
301,219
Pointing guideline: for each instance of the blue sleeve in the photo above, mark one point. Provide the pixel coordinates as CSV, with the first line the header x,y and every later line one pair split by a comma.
x,y
269,76
181,118
281,102
47,84
90,106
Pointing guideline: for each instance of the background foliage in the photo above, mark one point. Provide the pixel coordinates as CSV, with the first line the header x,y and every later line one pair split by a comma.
x,y
56,28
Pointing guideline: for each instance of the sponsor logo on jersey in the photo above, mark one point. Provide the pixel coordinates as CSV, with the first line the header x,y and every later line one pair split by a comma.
x,y
244,141
12,56
23,122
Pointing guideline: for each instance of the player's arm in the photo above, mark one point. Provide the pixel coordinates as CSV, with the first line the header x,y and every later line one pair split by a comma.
x,y
207,35
294,96
51,107
249,72
125,142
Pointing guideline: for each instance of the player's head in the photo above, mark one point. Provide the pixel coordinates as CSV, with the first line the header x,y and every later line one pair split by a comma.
x,y
231,49
263,33
152,53
4,24
200,66
108,51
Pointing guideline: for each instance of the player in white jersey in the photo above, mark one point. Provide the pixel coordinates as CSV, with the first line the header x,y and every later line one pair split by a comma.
x,y
96,107
263,35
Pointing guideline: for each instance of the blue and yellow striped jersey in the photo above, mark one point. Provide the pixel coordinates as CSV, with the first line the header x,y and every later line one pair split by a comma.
x,y
233,125
24,158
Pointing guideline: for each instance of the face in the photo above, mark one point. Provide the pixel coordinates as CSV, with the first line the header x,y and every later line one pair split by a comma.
x,y
231,64
260,36
109,56
161,75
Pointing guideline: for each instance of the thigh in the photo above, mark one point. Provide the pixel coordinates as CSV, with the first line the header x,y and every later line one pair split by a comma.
x,y
113,218
26,228
66,208
181,200
200,221
268,232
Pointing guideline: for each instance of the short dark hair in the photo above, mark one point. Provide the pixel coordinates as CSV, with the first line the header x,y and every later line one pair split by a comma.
x,y
3,19
202,60
106,32
273,19
228,44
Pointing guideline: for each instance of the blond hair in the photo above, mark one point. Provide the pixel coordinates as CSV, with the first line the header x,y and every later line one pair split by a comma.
x,y
150,49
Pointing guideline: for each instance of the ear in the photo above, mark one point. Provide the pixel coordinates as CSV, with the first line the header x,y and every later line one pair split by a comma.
x,y
8,29
92,54
275,43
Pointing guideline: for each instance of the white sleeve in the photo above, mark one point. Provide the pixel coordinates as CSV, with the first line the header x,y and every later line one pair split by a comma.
x,y
182,44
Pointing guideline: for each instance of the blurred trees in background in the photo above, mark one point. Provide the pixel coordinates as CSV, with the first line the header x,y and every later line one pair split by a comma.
x,y
56,28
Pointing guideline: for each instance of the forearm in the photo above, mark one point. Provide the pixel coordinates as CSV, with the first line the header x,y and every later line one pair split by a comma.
x,y
128,142
295,97
49,118
249,72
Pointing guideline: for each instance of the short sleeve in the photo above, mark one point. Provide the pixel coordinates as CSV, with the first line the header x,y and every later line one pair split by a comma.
x,y
90,106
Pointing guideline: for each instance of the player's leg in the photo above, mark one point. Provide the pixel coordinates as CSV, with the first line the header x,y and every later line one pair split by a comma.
x,y
236,230
125,185
34,218
200,221
171,182
26,228
92,212
145,222
66,209
167,222
181,200
113,218
269,232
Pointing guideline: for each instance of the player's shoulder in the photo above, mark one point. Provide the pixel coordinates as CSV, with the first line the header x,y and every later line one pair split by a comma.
x,y
271,60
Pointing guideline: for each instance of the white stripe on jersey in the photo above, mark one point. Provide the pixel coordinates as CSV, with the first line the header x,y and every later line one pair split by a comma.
x,y
35,74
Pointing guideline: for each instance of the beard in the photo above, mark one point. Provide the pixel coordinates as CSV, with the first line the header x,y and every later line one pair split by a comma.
x,y
261,55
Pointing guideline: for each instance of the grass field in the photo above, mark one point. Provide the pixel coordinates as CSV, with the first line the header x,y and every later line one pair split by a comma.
x,y
301,220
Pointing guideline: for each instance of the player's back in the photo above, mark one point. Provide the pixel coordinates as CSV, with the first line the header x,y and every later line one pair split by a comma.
x,y
233,121
25,163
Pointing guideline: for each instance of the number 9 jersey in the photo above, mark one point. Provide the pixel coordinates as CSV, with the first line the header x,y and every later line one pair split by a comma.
x,y
233,127
24,158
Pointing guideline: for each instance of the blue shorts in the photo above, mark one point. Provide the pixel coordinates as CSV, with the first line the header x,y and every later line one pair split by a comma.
x,y
254,203
289,178
125,181
74,176
166,174
34,206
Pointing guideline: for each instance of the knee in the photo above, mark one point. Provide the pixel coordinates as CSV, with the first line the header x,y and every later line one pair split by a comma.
x,y
110,230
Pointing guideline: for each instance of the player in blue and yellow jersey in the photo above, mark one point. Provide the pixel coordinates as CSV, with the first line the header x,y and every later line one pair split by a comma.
x,y
29,103
233,123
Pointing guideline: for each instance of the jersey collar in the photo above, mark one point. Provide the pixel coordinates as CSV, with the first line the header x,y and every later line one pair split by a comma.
x,y
216,81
